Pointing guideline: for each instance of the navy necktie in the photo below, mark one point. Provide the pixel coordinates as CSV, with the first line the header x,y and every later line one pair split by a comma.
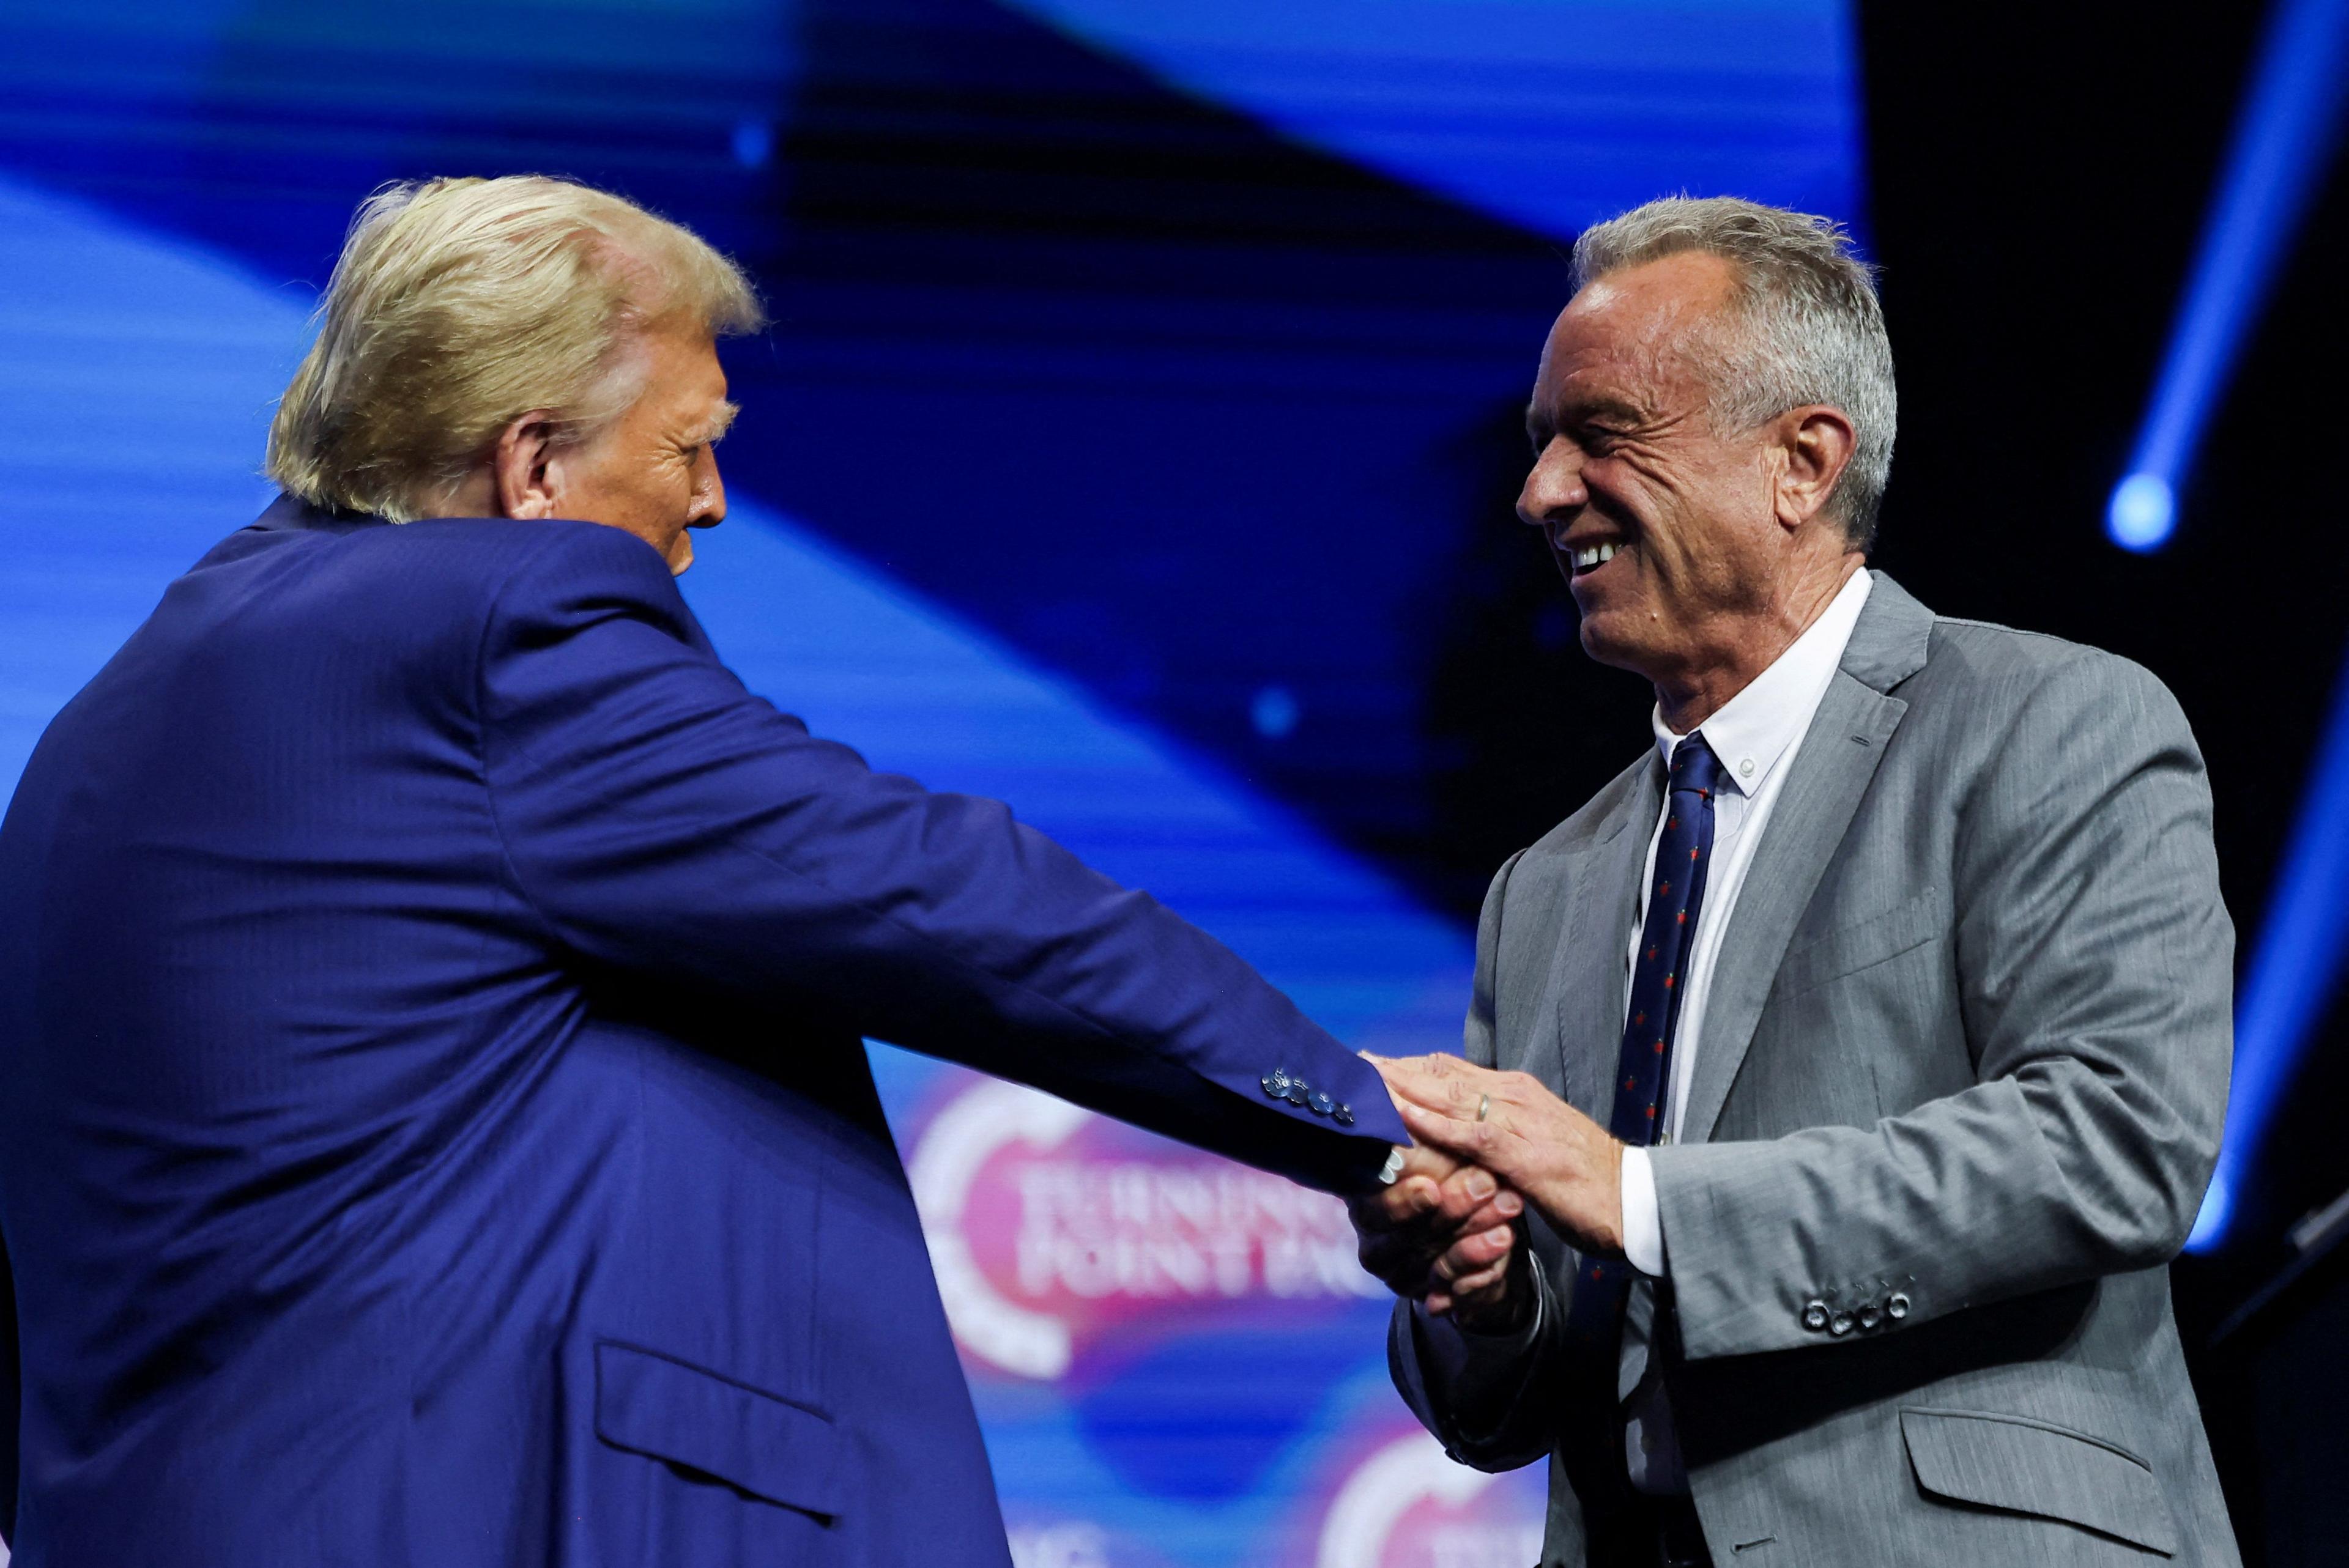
x,y
1658,979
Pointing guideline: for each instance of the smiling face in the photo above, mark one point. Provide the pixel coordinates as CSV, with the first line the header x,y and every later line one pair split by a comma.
x,y
1677,538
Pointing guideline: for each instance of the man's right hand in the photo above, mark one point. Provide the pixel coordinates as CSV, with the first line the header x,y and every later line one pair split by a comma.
x,y
1444,1233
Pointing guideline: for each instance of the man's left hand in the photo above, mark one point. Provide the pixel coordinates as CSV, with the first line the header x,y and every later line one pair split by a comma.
x,y
1564,1163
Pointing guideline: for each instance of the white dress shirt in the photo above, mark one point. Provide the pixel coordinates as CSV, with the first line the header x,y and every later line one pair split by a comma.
x,y
1755,735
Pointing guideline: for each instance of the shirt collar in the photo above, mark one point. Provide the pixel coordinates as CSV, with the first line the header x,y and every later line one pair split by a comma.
x,y
1756,729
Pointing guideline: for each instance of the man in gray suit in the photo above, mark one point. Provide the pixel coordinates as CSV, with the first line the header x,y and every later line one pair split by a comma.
x,y
1860,1052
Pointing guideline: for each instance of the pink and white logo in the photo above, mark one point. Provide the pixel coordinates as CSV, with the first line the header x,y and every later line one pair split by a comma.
x,y
1410,1505
1047,1223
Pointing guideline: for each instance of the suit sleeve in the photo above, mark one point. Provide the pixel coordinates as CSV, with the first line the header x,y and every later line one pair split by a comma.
x,y
663,822
2095,964
1490,1399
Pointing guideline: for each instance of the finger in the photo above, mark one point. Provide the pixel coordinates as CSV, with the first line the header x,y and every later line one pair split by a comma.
x,y
1473,1254
1405,1206
1482,1220
1425,1070
1406,1261
1449,1085
1420,1069
1466,1191
1421,1161
1471,1141
1475,1200
1411,1200
1481,1249
1474,1287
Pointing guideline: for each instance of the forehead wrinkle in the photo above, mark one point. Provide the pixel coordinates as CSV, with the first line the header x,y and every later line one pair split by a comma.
x,y
1657,326
1624,389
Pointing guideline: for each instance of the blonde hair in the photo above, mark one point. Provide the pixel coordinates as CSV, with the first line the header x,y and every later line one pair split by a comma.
x,y
458,305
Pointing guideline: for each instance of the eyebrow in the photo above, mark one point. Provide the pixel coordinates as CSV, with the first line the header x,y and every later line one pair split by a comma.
x,y
720,422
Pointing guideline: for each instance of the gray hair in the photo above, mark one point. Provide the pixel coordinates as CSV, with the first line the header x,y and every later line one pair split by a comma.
x,y
1813,329
458,306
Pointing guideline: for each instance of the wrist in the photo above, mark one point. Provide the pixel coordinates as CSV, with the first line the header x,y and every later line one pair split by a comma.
x,y
1611,1207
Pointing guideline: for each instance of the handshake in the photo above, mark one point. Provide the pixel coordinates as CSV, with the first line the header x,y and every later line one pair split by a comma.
x,y
1489,1146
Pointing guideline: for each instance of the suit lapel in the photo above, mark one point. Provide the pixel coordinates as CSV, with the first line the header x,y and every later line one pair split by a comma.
x,y
1832,770
1587,975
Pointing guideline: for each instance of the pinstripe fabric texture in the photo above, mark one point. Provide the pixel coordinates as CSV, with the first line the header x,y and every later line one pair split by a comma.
x,y
1964,1072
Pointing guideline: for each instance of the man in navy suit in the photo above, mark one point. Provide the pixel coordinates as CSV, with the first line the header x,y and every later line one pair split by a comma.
x,y
434,1127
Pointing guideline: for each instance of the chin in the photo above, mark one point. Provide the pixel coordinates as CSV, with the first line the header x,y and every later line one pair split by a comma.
x,y
1601,639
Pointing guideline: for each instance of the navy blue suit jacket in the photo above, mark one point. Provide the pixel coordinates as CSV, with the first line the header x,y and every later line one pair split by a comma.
x,y
434,1128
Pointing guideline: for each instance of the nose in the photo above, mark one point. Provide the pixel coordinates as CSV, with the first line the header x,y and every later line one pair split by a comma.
x,y
708,495
1553,490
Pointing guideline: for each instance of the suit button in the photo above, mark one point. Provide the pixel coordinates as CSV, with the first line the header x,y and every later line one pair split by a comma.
x,y
1898,1307
1815,1315
1276,1085
1869,1316
1343,1116
1839,1324
1297,1090
1319,1103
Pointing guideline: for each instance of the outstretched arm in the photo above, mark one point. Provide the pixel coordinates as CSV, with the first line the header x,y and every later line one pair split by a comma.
x,y
662,820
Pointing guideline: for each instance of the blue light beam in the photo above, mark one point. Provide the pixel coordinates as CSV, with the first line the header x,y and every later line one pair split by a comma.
x,y
2290,120
2292,970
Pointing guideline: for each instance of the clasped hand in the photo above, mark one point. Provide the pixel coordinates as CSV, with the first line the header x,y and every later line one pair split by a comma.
x,y
1449,1231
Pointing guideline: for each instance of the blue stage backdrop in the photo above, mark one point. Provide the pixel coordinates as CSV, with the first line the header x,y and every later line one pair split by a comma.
x,y
1114,439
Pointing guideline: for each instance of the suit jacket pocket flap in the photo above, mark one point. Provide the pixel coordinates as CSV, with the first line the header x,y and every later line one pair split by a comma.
x,y
2030,1467
772,1449
1813,961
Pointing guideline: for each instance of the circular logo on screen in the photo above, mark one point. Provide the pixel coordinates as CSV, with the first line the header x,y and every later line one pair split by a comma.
x,y
1410,1505
1047,1223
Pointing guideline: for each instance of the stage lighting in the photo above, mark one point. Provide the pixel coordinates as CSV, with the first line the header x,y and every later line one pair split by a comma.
x,y
2144,512
2291,974
2282,139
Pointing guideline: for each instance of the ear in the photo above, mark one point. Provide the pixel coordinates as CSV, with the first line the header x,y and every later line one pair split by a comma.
x,y
525,466
1814,444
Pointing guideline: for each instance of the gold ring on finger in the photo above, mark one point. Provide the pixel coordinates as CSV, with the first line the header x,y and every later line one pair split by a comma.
x,y
1484,1106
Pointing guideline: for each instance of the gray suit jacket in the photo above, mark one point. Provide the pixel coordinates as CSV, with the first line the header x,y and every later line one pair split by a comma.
x,y
1962,1076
